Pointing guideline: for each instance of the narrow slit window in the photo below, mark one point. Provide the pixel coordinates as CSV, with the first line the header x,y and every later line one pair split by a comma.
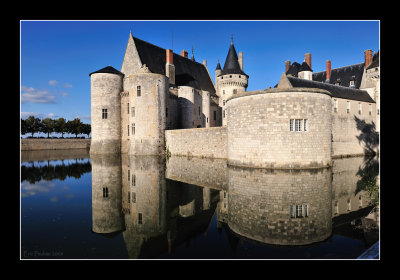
x,y
305,125
139,90
128,108
105,192
140,219
291,124
348,107
104,113
133,111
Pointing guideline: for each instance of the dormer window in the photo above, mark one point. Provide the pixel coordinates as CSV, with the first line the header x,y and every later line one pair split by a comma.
x,y
352,83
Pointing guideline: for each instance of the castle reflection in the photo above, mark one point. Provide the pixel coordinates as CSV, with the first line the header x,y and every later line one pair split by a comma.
x,y
160,205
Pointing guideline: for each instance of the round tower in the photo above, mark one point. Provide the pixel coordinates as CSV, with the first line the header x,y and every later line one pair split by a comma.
x,y
231,80
106,86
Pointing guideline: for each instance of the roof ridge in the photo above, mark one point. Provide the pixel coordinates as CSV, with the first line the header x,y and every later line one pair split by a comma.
x,y
166,49
327,84
340,67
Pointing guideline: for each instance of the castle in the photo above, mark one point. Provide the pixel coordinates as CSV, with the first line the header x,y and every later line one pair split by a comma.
x,y
164,101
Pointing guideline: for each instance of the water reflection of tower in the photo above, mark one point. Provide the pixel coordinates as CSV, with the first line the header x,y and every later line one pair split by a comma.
x,y
144,201
280,207
107,216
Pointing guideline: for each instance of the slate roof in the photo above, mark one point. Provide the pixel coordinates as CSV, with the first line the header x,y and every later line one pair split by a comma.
x,y
343,74
231,65
336,91
305,67
108,69
187,72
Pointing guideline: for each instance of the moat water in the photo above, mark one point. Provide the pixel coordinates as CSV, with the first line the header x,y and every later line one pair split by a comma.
x,y
74,206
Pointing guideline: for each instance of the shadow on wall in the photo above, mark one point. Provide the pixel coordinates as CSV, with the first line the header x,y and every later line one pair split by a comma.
x,y
368,179
368,137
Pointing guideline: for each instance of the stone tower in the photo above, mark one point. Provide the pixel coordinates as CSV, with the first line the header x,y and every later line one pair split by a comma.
x,y
106,87
231,80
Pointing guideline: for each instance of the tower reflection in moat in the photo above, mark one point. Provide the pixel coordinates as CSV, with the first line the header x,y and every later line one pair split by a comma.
x,y
160,205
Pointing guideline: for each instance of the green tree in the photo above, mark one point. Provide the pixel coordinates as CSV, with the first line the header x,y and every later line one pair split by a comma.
x,y
86,129
33,125
61,126
74,127
23,127
48,126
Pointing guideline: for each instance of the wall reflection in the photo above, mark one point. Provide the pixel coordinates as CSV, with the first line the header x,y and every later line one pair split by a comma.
x,y
159,205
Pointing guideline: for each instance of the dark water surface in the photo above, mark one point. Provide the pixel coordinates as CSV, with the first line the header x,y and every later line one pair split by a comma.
x,y
123,207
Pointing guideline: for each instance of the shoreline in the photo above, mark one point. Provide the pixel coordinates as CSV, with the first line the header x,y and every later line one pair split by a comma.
x,y
34,144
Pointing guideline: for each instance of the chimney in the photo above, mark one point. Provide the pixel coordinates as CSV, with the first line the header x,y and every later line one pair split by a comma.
x,y
170,67
184,54
368,58
287,65
328,70
307,59
240,59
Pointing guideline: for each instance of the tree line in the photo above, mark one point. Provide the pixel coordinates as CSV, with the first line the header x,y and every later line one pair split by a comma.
x,y
35,125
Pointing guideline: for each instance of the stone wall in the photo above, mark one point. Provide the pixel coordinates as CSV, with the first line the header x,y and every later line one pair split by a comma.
x,y
353,133
258,128
54,144
198,142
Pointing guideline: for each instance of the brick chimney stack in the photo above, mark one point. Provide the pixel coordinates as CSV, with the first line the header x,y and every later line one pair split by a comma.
x,y
287,65
170,67
184,53
367,57
170,57
328,70
307,59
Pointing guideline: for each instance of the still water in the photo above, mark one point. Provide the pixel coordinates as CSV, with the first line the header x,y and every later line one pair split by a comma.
x,y
74,206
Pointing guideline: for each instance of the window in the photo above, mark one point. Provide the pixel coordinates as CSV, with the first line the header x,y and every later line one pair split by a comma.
x,y
359,201
128,129
377,111
352,83
207,119
215,115
223,102
239,76
348,107
337,84
139,90
348,205
291,124
140,221
104,113
359,108
134,180
128,108
224,194
370,109
335,105
292,212
105,192
133,197
133,129
224,113
129,197
336,207
299,211
129,175
298,125
305,124
133,111
305,210
234,91
223,92
230,76
166,112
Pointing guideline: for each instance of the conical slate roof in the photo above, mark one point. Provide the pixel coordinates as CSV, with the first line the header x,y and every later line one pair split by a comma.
x,y
108,69
218,66
231,65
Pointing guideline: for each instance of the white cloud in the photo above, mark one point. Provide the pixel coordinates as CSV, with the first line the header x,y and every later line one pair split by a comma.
x,y
28,189
67,85
31,95
53,82
25,115
64,93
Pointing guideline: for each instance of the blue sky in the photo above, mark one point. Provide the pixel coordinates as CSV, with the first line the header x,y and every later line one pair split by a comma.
x,y
57,56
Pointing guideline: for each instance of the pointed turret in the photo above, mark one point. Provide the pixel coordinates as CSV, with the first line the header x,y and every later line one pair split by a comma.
x,y
232,65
